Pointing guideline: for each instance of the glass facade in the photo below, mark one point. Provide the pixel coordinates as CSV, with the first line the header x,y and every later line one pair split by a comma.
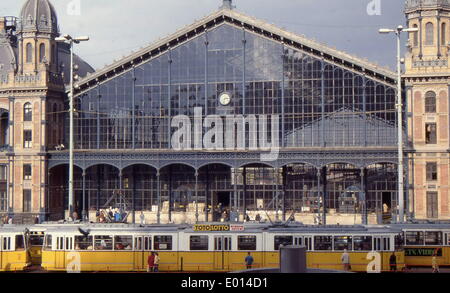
x,y
321,105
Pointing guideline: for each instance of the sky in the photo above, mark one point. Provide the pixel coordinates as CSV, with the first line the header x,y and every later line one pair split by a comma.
x,y
118,27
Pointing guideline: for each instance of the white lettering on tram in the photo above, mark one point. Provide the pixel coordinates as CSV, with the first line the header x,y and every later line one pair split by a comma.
x,y
73,262
375,265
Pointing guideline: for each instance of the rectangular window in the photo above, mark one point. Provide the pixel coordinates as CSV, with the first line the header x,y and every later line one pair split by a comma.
x,y
27,139
122,242
246,243
3,173
432,205
342,242
430,133
198,243
36,240
433,238
414,238
432,172
363,243
3,201
48,242
27,172
83,242
163,242
103,242
282,240
27,201
20,243
323,243
6,244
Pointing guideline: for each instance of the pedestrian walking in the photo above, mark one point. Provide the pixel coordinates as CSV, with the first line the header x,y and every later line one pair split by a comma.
x,y
151,262
434,262
345,259
249,261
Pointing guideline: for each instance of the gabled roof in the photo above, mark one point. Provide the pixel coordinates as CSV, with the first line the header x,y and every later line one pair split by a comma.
x,y
254,25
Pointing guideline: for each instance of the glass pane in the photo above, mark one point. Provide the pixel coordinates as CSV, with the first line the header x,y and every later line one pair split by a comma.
x,y
323,243
342,242
433,238
362,243
414,238
246,242
20,243
198,243
103,243
122,242
282,240
83,243
163,242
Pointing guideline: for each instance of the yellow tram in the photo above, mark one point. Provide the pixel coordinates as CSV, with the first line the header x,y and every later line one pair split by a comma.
x,y
214,247
421,242
14,254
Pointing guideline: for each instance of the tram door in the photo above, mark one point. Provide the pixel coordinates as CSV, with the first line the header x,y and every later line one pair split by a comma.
x,y
382,243
304,241
63,245
142,248
222,247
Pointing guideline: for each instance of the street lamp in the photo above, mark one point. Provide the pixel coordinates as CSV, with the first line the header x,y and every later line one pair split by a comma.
x,y
68,39
399,106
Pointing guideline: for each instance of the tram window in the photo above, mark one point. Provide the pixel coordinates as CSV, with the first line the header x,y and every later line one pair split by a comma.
x,y
414,238
148,243
342,242
122,242
246,243
20,244
36,240
323,243
398,241
163,242
83,243
282,240
362,243
6,245
138,243
103,242
433,238
447,242
198,243
48,242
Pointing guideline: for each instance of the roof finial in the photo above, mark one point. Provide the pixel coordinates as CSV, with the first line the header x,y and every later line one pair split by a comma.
x,y
227,4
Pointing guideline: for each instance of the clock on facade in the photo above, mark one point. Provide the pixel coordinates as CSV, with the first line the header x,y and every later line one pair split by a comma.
x,y
225,99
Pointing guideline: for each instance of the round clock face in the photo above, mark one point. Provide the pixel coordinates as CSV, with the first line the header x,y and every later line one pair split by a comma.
x,y
225,99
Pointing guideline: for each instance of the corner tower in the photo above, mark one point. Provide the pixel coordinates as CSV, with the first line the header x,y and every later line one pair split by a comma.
x,y
427,77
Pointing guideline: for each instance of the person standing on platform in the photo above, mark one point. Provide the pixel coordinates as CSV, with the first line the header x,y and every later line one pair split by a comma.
x,y
156,264
249,261
151,262
393,262
345,259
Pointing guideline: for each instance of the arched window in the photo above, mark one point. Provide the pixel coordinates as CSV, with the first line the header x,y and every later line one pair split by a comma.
x,y
443,34
429,34
415,37
41,53
430,102
29,53
27,112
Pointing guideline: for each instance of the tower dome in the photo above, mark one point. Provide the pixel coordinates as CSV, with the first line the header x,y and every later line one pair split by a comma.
x,y
420,4
38,16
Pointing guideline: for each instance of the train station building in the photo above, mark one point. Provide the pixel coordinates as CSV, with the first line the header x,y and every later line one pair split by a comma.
x,y
230,115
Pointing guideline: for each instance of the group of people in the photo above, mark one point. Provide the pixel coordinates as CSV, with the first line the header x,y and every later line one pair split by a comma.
x,y
7,220
153,262
110,215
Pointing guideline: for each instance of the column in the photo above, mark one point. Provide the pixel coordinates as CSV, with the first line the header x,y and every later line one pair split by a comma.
x,y
206,195
196,196
283,174
319,180
158,185
133,197
170,193
277,205
324,195
322,97
363,197
235,211
244,182
83,211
